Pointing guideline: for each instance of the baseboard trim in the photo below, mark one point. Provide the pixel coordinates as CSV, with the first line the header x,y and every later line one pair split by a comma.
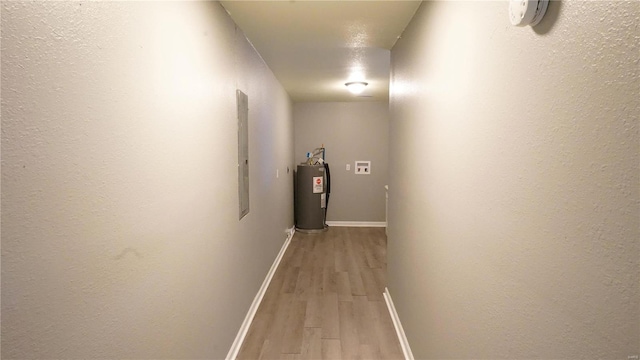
x,y
246,324
404,343
358,223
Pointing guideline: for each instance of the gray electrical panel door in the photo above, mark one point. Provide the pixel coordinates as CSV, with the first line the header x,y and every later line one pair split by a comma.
x,y
310,197
243,152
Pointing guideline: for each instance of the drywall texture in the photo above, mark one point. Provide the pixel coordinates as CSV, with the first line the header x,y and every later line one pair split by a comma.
x,y
120,231
350,132
514,182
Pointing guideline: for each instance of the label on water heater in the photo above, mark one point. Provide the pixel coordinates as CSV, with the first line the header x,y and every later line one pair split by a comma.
x,y
317,184
323,201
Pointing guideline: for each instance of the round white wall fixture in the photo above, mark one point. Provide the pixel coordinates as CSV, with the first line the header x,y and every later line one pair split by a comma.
x,y
527,12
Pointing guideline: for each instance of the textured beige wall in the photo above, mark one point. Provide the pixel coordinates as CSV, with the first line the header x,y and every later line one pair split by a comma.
x,y
120,231
349,131
514,182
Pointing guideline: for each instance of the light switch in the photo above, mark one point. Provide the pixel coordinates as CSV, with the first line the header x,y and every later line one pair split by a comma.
x,y
348,167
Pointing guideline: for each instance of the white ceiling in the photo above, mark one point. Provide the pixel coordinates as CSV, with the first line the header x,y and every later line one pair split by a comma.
x,y
314,47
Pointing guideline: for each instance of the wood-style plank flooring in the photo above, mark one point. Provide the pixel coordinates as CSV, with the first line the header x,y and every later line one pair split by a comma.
x,y
325,301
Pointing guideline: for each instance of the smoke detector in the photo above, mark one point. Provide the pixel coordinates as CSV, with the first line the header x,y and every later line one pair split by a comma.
x,y
527,12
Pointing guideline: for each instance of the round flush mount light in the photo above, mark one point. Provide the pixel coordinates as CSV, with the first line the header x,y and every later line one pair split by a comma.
x,y
527,12
356,87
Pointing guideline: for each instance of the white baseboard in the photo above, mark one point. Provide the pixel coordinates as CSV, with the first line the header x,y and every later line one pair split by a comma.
x,y
358,223
246,324
404,343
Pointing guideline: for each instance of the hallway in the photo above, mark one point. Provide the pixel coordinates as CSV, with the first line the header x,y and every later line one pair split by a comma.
x,y
510,154
325,301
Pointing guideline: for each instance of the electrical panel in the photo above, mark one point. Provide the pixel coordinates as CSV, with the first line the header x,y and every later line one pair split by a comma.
x,y
243,152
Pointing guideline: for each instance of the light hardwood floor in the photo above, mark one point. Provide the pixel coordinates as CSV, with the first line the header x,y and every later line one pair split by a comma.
x,y
325,301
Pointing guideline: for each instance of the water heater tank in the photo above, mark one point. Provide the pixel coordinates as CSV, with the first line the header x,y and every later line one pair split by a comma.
x,y
310,198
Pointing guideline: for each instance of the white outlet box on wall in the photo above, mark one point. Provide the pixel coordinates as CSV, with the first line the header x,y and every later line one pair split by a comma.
x,y
363,167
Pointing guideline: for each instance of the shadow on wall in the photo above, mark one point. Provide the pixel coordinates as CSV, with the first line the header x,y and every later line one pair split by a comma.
x,y
549,19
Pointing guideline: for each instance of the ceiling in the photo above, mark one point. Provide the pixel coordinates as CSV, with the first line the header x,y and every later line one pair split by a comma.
x,y
315,47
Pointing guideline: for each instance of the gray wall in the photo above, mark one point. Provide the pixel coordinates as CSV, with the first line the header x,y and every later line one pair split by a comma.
x,y
516,235
120,231
349,132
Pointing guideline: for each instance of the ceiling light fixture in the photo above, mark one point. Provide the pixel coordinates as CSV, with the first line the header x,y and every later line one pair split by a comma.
x,y
356,87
